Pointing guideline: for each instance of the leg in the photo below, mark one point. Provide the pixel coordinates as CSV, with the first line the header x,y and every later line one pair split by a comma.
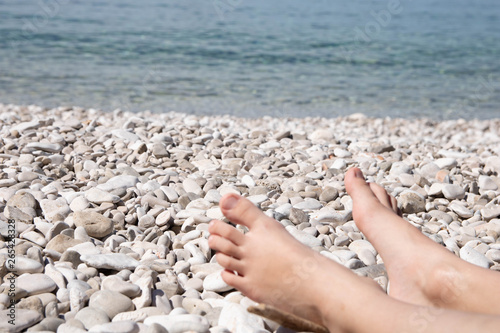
x,y
267,262
268,265
420,271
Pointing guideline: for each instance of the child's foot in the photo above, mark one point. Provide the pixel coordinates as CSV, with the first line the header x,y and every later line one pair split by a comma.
x,y
270,266
420,271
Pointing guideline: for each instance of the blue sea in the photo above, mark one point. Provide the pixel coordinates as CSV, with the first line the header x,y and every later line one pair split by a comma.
x,y
398,58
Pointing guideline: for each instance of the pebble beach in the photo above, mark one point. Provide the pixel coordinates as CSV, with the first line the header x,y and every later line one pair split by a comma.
x,y
104,215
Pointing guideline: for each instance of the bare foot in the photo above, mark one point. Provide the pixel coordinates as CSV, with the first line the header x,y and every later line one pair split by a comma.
x,y
269,266
420,271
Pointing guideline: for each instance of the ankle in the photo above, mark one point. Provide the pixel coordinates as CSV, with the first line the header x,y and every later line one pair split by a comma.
x,y
445,285
340,305
366,299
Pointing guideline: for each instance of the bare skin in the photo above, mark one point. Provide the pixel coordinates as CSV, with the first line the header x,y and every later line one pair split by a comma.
x,y
296,278
420,270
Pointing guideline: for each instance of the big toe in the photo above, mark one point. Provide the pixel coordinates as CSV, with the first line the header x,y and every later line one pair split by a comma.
x,y
368,201
358,188
240,210
367,196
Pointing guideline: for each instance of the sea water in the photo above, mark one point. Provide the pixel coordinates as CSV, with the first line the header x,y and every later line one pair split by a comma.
x,y
398,58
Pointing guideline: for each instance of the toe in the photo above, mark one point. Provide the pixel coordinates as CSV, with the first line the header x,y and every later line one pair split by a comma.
x,y
366,204
385,198
241,211
236,281
227,231
221,244
381,194
395,207
359,190
229,263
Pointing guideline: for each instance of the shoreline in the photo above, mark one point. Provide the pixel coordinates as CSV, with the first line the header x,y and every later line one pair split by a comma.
x,y
274,113
111,209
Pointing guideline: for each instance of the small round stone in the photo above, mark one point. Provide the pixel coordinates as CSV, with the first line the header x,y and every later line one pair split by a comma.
x,y
95,224
92,316
111,302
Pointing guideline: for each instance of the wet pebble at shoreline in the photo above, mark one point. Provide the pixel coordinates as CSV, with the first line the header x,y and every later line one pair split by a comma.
x,y
112,209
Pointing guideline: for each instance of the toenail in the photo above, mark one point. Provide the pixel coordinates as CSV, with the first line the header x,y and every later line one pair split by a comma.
x,y
358,173
230,203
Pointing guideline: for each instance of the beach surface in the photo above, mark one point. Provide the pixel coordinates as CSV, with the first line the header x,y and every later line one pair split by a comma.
x,y
104,215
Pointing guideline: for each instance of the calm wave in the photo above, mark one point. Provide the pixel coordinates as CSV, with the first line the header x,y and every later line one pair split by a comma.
x,y
437,59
